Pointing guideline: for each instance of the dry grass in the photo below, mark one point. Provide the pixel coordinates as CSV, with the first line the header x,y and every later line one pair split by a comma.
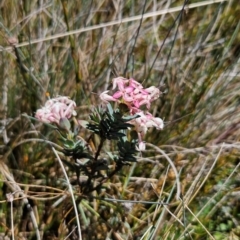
x,y
75,48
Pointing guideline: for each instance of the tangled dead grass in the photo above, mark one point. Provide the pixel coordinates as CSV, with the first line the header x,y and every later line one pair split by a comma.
x,y
75,48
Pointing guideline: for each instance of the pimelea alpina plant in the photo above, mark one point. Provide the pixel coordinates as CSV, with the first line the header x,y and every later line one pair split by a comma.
x,y
92,167
110,124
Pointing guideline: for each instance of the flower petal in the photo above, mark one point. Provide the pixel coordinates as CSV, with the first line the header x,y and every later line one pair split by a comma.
x,y
106,98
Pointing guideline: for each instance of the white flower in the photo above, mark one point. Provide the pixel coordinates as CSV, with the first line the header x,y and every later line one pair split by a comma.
x,y
146,121
56,109
141,146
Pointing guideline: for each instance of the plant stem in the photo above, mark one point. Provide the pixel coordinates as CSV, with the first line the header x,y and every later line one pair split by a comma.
x,y
99,149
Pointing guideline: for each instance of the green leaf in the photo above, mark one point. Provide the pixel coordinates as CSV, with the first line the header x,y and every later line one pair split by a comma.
x,y
110,109
64,124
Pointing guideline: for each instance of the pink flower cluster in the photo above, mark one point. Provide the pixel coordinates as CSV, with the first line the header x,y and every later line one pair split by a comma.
x,y
56,109
132,93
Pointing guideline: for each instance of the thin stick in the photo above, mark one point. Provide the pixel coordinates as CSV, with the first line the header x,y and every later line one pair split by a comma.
x,y
10,199
12,224
173,167
71,192
209,234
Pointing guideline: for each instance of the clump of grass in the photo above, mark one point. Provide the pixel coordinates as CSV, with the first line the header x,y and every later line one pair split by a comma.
x,y
75,49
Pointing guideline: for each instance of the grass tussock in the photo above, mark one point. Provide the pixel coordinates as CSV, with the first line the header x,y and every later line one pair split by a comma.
x,y
75,48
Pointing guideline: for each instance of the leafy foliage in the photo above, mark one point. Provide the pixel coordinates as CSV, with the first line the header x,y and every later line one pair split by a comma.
x,y
109,124
126,150
77,150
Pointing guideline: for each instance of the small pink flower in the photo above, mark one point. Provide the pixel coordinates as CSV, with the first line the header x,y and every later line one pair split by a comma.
x,y
154,92
106,98
117,94
43,114
120,82
136,104
133,83
128,98
124,92
134,110
158,123
146,121
56,109
141,146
